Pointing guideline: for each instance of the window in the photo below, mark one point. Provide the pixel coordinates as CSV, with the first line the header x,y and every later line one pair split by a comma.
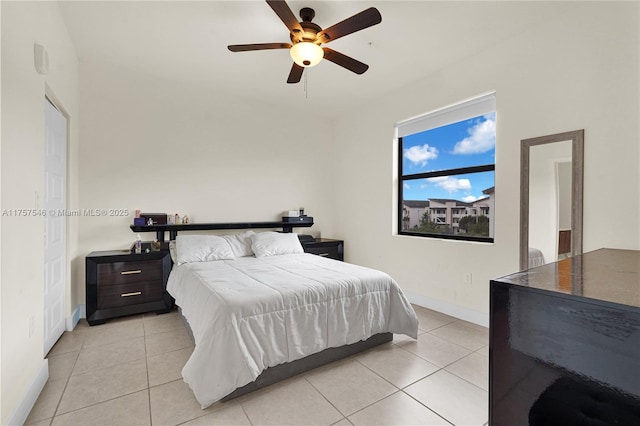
x,y
446,161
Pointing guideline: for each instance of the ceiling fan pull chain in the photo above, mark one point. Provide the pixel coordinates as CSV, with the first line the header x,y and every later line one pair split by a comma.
x,y
306,91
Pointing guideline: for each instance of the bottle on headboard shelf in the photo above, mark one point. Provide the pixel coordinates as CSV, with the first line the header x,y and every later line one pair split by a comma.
x,y
138,247
178,220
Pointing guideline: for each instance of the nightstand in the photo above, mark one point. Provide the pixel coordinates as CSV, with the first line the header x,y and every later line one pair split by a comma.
x,y
122,283
325,247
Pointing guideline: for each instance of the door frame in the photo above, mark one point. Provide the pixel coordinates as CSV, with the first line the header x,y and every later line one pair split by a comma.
x,y
49,96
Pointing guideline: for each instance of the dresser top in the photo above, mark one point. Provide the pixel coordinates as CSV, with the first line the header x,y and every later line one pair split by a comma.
x,y
609,275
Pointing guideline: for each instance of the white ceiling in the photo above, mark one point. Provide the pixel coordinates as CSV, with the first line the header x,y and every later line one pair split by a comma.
x,y
186,41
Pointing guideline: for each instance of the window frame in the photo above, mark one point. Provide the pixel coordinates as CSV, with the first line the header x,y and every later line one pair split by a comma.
x,y
449,172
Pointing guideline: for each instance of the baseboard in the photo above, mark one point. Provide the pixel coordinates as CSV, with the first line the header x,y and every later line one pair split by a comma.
x,y
21,412
449,309
72,321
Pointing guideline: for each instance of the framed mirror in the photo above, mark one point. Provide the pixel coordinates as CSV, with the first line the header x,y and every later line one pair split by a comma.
x,y
551,188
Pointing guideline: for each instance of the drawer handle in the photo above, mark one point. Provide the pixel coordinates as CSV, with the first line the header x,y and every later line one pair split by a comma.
x,y
137,271
133,293
323,254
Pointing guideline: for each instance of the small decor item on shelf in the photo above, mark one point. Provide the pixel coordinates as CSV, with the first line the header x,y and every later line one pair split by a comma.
x,y
171,219
185,219
154,218
138,244
297,219
301,211
178,220
137,220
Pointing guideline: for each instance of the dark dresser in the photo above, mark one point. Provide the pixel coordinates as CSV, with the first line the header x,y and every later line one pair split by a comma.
x,y
565,343
122,283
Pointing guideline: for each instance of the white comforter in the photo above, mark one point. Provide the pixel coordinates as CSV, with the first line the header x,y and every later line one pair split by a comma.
x,y
250,313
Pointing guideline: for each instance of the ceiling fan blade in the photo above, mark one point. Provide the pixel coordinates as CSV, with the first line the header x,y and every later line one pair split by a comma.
x,y
296,73
357,22
345,61
284,12
258,46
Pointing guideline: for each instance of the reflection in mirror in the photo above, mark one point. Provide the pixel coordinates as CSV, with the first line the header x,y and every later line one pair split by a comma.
x,y
551,198
549,212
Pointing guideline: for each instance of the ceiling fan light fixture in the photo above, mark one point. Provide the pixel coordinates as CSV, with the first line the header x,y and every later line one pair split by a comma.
x,y
306,54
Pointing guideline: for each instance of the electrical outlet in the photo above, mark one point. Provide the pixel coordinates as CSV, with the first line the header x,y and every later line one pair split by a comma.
x,y
468,278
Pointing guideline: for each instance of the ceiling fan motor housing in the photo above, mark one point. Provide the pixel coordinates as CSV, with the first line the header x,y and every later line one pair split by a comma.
x,y
310,30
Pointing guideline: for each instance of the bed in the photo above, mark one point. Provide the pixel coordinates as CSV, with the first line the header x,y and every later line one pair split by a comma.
x,y
256,302
536,258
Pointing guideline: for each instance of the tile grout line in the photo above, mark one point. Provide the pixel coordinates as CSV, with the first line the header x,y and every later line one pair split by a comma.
x,y
55,411
375,402
66,384
324,397
146,363
403,388
457,344
87,372
460,377
444,368
428,375
431,362
245,413
427,407
82,335
98,403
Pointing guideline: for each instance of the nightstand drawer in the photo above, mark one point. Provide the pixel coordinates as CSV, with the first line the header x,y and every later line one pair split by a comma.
x,y
112,296
129,272
326,251
333,249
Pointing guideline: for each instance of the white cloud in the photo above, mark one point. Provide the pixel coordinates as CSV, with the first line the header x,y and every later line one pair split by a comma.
x,y
482,138
405,185
451,184
469,199
421,154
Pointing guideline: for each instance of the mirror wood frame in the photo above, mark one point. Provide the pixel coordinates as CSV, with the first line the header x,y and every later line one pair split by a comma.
x,y
576,137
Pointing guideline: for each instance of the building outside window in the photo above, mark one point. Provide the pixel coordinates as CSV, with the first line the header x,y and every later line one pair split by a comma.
x,y
446,179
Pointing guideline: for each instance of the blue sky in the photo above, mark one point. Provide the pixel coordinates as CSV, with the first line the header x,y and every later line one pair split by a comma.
x,y
466,143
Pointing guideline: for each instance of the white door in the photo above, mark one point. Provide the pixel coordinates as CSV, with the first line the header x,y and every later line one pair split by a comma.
x,y
55,242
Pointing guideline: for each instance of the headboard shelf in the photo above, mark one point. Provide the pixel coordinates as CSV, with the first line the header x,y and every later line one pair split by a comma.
x,y
173,229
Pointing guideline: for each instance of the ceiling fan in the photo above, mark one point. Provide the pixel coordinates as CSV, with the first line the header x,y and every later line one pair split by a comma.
x,y
306,38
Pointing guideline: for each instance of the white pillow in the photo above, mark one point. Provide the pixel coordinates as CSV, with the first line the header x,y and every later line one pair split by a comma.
x,y
172,251
275,243
202,248
240,243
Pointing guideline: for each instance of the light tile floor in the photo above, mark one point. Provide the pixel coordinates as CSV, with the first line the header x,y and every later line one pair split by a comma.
x,y
127,372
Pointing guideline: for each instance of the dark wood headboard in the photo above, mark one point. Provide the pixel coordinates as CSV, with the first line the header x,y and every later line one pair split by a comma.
x,y
287,226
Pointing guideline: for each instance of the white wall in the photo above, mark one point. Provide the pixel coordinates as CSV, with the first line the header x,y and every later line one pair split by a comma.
x,y
163,146
23,97
578,70
563,173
